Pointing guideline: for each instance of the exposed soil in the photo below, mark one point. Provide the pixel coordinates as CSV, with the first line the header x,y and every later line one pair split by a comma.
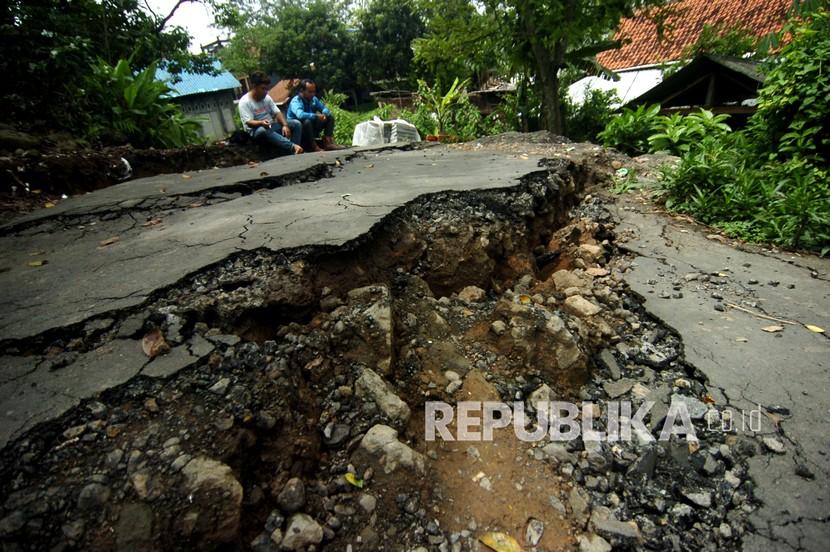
x,y
254,431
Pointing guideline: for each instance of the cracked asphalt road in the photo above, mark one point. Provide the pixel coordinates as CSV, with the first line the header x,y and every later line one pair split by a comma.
x,y
170,226
785,372
84,278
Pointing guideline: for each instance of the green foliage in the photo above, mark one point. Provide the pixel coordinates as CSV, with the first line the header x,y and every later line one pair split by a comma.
x,y
625,181
721,183
536,38
293,39
134,106
447,106
678,134
769,182
460,41
720,41
50,46
385,30
629,131
584,122
794,103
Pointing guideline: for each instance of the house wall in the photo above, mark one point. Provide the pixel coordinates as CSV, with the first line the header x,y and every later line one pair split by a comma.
x,y
213,110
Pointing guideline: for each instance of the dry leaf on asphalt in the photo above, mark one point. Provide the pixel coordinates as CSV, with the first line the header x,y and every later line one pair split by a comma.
x,y
815,329
154,344
773,329
35,264
109,241
500,542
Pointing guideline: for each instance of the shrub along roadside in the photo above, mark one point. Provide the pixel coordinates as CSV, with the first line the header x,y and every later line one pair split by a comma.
x,y
460,118
126,106
769,182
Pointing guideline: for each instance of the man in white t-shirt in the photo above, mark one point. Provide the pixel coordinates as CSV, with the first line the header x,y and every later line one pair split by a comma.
x,y
264,121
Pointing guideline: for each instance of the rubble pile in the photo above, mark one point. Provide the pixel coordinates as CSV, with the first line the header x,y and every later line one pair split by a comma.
x,y
282,398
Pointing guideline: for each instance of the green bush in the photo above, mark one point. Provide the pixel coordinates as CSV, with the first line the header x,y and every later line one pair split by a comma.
x,y
629,131
769,182
794,103
584,122
678,134
134,107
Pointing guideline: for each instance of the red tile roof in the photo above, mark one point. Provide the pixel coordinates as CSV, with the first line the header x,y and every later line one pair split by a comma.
x,y
282,91
641,45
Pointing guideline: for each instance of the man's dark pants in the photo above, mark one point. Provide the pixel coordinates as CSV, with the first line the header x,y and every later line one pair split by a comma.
x,y
312,127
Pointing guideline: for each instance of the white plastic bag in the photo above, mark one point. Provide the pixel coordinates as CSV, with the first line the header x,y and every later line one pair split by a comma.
x,y
368,133
377,132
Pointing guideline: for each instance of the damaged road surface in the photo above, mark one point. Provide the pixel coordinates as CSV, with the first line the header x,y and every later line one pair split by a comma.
x,y
245,358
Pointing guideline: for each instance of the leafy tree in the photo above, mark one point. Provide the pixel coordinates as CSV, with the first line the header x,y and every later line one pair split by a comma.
x,y
551,35
292,39
720,41
385,30
50,46
535,38
459,41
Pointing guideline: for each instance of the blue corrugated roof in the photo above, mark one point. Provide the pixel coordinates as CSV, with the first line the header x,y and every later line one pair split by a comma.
x,y
195,83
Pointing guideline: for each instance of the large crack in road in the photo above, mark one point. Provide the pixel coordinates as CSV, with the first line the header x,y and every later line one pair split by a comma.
x,y
287,409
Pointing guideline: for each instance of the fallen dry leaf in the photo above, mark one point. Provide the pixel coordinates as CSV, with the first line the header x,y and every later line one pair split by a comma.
x,y
524,299
773,329
109,241
814,329
195,205
500,542
153,344
186,176
35,264
742,340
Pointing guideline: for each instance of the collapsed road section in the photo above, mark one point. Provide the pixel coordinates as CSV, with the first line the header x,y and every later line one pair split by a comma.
x,y
275,397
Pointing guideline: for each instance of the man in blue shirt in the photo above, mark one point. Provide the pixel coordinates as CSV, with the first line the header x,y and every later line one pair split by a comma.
x,y
314,117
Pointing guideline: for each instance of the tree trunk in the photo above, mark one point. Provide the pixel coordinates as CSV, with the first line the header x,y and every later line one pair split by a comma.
x,y
547,72
548,76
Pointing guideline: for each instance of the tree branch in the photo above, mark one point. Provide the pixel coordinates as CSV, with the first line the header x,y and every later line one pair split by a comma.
x,y
172,13
149,9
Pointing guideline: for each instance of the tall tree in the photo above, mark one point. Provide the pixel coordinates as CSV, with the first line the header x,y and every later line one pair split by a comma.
x,y
293,38
49,46
550,35
460,41
540,38
385,30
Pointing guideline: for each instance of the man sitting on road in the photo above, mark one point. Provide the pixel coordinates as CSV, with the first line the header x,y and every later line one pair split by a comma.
x,y
259,112
306,108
